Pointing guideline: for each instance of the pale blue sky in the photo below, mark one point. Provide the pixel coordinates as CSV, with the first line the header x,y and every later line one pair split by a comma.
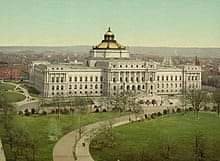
x,y
183,23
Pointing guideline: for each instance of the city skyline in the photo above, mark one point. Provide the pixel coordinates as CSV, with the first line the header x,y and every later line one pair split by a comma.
x,y
157,23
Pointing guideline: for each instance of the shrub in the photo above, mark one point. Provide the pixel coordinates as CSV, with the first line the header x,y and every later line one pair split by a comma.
x,y
141,102
178,110
159,114
190,109
33,111
165,112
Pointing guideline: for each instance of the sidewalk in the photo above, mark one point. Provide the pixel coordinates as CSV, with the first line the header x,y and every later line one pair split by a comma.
x,y
64,149
2,154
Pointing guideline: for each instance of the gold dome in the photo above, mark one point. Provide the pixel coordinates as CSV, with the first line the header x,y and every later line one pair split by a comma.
x,y
109,42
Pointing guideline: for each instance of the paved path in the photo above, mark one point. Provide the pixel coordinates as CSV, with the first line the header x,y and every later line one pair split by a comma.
x,y
2,154
68,144
28,102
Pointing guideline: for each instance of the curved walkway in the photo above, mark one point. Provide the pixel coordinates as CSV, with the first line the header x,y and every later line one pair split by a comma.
x,y
29,101
71,148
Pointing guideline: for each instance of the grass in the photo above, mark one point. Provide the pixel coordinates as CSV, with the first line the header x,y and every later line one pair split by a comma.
x,y
40,128
6,87
12,97
152,137
31,90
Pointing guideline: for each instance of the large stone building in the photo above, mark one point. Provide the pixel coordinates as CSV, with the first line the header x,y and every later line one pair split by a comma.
x,y
110,71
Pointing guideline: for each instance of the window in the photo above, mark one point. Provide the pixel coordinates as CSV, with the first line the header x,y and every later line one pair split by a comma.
x,y
176,78
57,87
151,87
114,80
158,78
70,79
80,87
62,87
101,78
143,87
75,79
52,79
86,87
126,79
167,78
162,78
114,88
52,87
75,87
80,79
120,66
121,79
91,78
61,79
139,87
136,66
70,86
96,86
52,93
91,86
96,79
180,77
132,79
171,78
137,79
101,86
57,79
121,87
86,79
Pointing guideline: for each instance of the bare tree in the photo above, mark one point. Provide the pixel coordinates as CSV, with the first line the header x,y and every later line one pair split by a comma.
x,y
216,97
196,97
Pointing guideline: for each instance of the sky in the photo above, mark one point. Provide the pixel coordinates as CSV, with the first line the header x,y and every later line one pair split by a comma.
x,y
152,23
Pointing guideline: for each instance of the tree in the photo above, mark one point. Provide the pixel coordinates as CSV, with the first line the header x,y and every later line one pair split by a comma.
x,y
216,97
196,97
7,111
199,147
80,104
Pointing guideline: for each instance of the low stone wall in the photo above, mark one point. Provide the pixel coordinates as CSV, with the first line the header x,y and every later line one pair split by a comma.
x,y
2,154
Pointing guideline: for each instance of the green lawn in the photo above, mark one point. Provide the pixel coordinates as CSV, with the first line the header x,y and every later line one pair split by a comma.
x,y
40,127
6,87
12,97
154,140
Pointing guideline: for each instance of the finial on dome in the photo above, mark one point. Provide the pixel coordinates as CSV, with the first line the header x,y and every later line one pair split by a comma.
x,y
109,29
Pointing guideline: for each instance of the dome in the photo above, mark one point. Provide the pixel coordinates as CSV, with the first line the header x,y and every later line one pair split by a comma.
x,y
109,42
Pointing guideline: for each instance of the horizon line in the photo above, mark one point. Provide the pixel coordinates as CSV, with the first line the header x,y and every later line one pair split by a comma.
x,y
94,45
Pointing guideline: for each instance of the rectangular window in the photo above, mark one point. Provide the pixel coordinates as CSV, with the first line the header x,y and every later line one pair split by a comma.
x,y
70,79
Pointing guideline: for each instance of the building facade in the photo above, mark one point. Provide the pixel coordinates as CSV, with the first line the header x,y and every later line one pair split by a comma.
x,y
10,72
110,71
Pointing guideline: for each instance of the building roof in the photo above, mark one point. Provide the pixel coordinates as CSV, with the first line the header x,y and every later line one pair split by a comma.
x,y
109,42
